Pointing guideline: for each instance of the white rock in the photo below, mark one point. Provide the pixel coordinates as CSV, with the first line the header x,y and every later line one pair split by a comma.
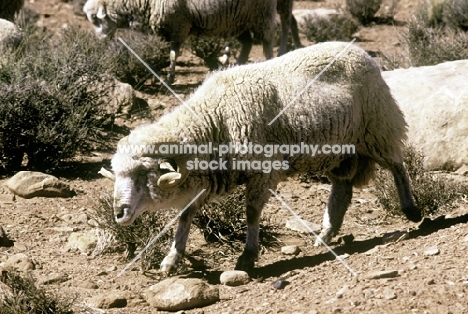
x,y
382,274
433,99
20,261
290,250
110,300
305,17
301,225
176,294
234,278
10,35
28,184
431,251
83,241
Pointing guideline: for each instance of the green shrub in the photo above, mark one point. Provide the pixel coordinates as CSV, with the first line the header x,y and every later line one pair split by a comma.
x,y
432,192
455,14
363,10
47,110
23,296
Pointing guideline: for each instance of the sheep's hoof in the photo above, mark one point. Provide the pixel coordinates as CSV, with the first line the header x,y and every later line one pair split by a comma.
x,y
246,261
169,263
326,235
413,213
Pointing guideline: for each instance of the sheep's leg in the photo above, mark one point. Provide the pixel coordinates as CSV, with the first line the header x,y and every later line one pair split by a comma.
x,y
180,240
285,22
256,196
295,33
246,41
175,52
338,202
411,211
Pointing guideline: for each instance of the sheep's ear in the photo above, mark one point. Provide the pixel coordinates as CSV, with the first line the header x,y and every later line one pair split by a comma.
x,y
102,12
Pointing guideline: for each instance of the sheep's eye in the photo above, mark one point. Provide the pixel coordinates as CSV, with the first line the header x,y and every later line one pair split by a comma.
x,y
143,173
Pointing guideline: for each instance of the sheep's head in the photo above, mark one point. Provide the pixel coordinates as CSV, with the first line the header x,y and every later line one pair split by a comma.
x,y
105,19
146,182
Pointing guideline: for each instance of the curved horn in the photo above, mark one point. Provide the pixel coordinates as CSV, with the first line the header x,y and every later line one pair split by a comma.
x,y
172,179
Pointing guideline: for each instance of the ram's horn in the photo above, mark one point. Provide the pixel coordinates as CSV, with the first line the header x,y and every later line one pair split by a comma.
x,y
172,179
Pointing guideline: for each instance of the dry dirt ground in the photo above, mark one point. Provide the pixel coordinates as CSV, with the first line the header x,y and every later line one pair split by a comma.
x,y
318,283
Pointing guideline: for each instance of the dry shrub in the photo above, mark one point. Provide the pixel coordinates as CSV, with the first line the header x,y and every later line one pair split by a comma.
x,y
331,27
114,236
432,192
210,49
47,110
224,219
23,296
363,10
126,67
428,40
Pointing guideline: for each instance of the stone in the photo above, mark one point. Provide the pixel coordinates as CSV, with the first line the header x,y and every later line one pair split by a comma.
x,y
110,300
54,278
119,97
29,184
431,251
176,294
395,236
290,250
10,35
465,239
20,261
389,294
85,242
379,274
433,99
280,284
301,225
234,278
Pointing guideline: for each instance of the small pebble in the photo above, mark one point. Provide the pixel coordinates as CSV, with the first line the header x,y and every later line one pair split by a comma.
x,y
431,251
280,284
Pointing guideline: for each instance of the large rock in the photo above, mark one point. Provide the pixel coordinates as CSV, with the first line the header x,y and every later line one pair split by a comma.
x,y
176,294
434,100
10,35
30,184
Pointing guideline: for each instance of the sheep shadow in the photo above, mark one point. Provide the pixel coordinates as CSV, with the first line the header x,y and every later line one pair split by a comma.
x,y
426,227
276,269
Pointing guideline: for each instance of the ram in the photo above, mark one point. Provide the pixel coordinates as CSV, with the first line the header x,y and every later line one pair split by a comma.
x,y
176,20
325,94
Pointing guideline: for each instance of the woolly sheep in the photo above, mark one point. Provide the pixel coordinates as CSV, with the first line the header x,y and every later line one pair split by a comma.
x,y
9,8
177,20
349,103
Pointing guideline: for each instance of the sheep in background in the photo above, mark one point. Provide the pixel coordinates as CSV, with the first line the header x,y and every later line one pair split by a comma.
x,y
347,104
177,20
284,9
9,9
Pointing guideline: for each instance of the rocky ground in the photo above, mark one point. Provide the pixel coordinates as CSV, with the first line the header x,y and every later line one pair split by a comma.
x,y
386,264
